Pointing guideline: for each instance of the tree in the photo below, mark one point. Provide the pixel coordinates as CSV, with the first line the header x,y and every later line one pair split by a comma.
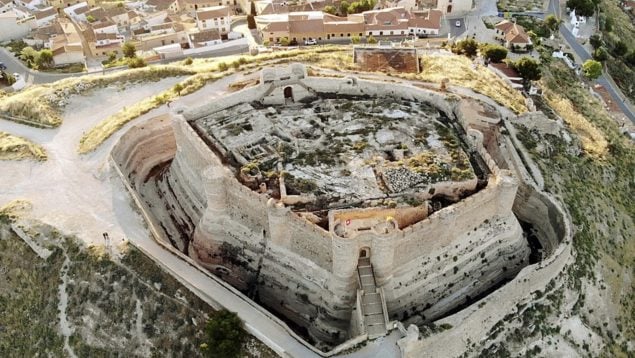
x,y
177,88
224,335
253,8
355,39
467,47
112,57
251,22
285,41
592,69
29,55
552,23
528,68
330,9
620,49
371,39
494,53
129,50
344,8
596,41
90,18
600,54
44,59
582,7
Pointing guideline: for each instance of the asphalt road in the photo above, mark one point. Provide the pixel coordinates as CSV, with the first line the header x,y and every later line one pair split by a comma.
x,y
456,31
16,66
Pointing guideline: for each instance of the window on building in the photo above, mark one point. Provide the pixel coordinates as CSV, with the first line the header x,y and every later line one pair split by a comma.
x,y
381,33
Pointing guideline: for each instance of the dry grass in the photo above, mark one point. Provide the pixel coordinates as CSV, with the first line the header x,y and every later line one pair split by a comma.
x,y
15,208
39,103
18,148
460,72
593,141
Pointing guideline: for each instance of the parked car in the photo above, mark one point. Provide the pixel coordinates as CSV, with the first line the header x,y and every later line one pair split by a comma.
x,y
458,23
310,41
2,66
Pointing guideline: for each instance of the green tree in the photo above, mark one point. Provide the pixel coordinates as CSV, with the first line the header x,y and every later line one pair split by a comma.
x,y
285,41
90,18
44,59
129,50
371,39
344,8
178,88
552,23
582,7
596,41
494,53
29,55
592,69
224,335
620,49
251,22
467,47
528,68
112,57
330,9
600,54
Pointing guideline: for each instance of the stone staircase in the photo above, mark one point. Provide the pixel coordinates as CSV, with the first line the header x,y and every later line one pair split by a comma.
x,y
374,315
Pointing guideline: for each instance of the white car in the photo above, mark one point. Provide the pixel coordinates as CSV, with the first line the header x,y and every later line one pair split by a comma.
x,y
458,23
310,42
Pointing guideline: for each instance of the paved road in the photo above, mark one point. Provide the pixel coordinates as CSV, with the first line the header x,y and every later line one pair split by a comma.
x,y
603,80
14,65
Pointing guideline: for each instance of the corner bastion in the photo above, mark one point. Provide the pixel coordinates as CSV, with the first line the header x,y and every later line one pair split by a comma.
x,y
340,204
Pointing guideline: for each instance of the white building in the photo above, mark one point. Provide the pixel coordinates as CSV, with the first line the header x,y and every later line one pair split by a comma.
x,y
217,17
77,11
30,4
105,27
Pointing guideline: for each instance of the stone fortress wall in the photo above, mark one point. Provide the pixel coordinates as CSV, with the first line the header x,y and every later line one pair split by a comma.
x,y
309,274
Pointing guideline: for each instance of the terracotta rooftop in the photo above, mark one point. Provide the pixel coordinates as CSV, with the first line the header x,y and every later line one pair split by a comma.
x,y
212,12
50,11
205,36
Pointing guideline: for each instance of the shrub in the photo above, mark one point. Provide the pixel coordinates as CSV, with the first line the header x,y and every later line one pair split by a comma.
x,y
285,41
371,39
494,53
236,64
188,61
224,335
595,41
355,39
620,49
600,54
136,62
44,59
222,66
467,47
528,68
178,88
330,9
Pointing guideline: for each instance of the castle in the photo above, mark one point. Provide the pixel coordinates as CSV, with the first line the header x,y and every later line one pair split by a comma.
x,y
346,243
